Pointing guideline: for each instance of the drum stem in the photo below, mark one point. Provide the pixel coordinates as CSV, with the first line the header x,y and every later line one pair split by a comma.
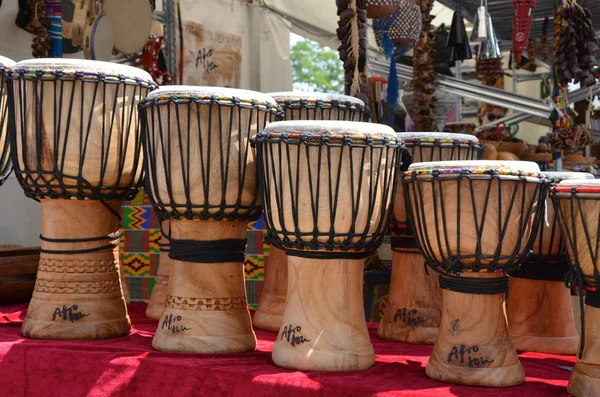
x,y
324,326
585,378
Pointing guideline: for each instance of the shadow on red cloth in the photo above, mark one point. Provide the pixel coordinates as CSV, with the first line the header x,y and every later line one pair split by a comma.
x,y
129,366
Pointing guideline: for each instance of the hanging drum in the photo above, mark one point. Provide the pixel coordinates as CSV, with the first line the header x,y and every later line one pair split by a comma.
x,y
403,28
382,8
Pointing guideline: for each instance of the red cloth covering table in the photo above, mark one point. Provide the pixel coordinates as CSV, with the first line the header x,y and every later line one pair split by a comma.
x,y
130,367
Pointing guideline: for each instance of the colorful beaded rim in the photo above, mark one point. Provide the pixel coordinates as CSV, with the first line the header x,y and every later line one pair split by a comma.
x,y
576,189
49,74
499,171
441,140
320,102
204,99
328,137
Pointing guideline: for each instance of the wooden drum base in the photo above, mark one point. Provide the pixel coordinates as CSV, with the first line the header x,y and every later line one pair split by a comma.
x,y
159,291
473,347
77,296
585,378
206,309
271,304
324,327
540,317
413,311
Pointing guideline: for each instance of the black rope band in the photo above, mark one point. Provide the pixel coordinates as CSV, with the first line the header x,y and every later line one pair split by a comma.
x,y
543,268
164,247
477,286
116,236
592,298
213,251
324,254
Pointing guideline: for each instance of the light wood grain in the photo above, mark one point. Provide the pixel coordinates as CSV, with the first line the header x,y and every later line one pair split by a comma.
x,y
18,269
475,322
88,284
271,304
324,306
159,291
585,378
206,309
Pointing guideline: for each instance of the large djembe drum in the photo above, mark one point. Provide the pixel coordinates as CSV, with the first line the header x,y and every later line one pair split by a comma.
x,y
327,193
201,176
5,165
474,221
298,106
76,148
412,314
539,311
577,206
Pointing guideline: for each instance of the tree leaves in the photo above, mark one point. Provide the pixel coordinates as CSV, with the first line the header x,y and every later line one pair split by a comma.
x,y
316,68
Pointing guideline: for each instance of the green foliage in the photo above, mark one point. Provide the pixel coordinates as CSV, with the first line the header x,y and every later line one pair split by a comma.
x,y
316,68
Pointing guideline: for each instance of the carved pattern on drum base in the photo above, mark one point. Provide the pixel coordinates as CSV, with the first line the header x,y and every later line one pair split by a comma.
x,y
75,287
77,266
208,304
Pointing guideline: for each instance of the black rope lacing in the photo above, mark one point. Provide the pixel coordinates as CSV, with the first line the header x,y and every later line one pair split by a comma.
x,y
477,286
40,159
229,122
282,158
111,245
5,162
303,109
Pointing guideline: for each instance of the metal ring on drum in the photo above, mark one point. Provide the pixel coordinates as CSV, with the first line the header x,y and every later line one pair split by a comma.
x,y
577,206
76,148
327,189
413,311
201,179
474,221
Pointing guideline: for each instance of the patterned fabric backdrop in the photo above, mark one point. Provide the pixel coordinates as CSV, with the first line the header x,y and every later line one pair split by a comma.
x,y
140,253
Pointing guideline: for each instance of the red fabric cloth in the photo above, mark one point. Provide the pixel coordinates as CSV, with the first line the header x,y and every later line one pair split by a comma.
x,y
130,367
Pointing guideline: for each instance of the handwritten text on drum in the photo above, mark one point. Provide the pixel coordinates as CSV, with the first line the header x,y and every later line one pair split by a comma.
x,y
289,332
68,313
408,316
170,323
463,355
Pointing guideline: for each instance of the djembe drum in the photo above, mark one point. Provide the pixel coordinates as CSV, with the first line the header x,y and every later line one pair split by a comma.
x,y
577,206
412,314
201,176
539,310
298,106
5,165
76,148
474,221
327,192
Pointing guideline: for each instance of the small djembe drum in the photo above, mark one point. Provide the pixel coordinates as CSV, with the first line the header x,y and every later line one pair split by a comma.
x,y
201,176
577,206
474,221
327,193
321,106
539,310
5,165
76,148
298,106
412,314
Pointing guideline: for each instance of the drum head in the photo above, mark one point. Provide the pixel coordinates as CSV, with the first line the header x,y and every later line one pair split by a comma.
x,y
6,62
98,39
586,185
525,166
317,128
442,136
281,97
132,22
559,176
221,92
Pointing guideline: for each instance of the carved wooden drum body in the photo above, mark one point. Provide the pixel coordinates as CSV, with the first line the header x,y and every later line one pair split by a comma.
x,y
327,193
413,311
539,312
474,221
5,164
77,149
201,176
577,206
298,106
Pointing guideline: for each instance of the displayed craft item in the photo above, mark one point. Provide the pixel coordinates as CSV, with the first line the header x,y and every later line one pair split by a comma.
x,y
5,164
577,205
381,8
458,39
153,61
98,39
352,32
412,314
522,24
54,17
531,65
544,47
539,313
67,10
298,106
424,75
131,21
80,16
572,141
18,267
327,189
76,148
208,193
474,221
489,48
42,43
